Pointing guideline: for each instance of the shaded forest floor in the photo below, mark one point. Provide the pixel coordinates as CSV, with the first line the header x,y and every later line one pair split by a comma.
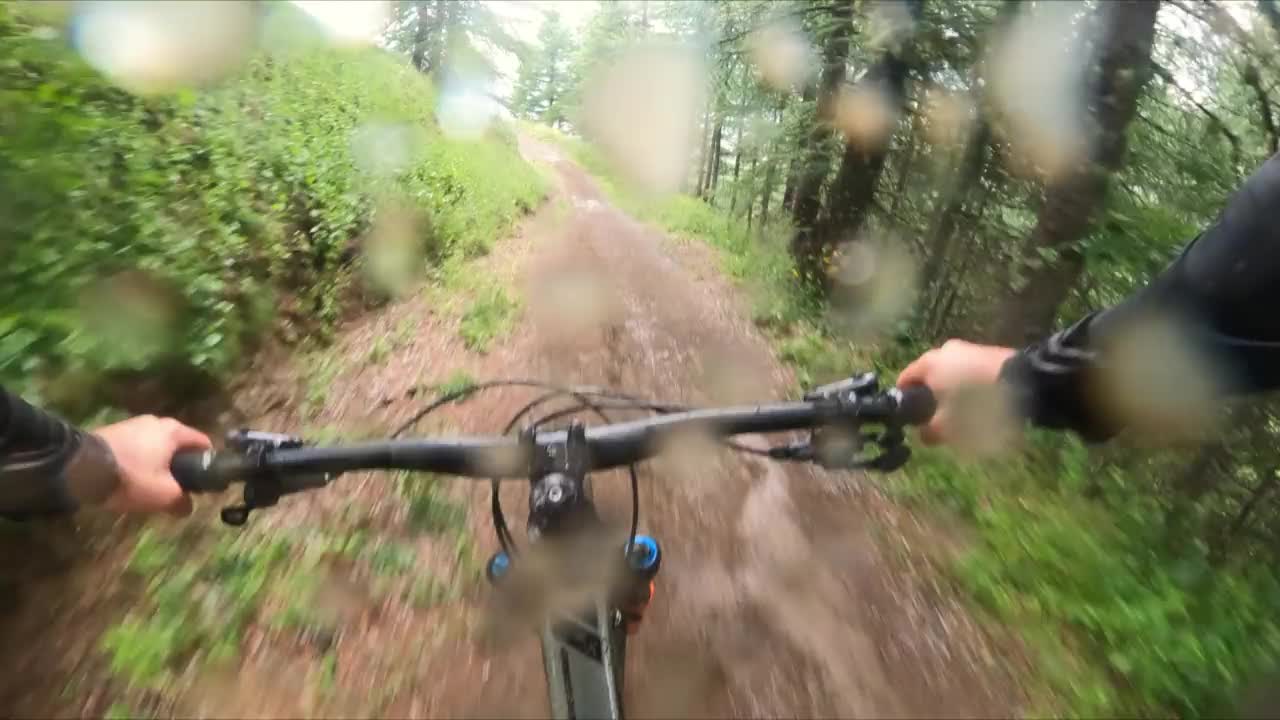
x,y
785,590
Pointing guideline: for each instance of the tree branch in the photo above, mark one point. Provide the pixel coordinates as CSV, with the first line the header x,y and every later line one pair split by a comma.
x,y
1271,13
734,37
1163,73
1222,19
1264,106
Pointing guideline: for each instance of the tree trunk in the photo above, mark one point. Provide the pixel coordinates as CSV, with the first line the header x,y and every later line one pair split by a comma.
x,y
704,157
421,35
905,165
789,187
716,150
751,198
435,56
1264,107
815,164
1121,68
737,165
551,94
793,167
969,175
938,313
770,175
863,161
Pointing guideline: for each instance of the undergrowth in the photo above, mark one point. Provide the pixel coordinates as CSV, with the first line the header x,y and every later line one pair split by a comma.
x,y
162,236
193,612
202,595
1121,620
491,314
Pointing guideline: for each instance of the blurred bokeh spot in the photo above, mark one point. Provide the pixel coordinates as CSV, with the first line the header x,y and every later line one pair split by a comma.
x,y
156,46
642,109
873,286
1036,71
781,54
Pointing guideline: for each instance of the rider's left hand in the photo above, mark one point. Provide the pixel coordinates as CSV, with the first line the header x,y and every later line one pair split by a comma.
x,y
144,447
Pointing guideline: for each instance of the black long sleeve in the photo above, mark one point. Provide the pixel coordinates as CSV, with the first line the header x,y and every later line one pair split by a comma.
x,y
39,456
1223,291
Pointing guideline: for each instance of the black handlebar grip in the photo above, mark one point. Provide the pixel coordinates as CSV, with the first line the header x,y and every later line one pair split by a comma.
x,y
199,471
916,405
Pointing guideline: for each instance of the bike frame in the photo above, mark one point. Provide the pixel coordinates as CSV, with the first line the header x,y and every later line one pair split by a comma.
x,y
583,650
585,659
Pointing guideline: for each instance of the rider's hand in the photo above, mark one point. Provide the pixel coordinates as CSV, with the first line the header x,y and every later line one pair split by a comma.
x,y
143,448
954,366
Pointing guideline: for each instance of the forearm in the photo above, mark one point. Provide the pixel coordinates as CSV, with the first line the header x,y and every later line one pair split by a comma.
x,y
1219,297
48,465
1050,383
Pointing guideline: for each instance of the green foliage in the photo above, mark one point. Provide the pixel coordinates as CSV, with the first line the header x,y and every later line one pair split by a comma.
x,y
392,559
120,711
430,509
544,80
450,39
457,382
320,368
1122,620
427,592
190,611
144,234
328,672
491,315
378,350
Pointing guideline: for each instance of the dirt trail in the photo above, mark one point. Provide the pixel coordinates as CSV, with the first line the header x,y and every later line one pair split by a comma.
x,y
784,591
775,597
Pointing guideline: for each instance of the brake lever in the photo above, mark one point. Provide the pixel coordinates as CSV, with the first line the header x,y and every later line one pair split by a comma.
x,y
891,459
263,488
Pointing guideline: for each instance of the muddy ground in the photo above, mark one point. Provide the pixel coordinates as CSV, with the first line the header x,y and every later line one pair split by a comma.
x,y
785,590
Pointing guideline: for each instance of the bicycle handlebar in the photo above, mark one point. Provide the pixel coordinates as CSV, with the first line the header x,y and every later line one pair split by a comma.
x,y
609,446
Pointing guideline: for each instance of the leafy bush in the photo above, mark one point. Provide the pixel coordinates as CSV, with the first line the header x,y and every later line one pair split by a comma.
x,y
143,647
489,316
1123,621
145,234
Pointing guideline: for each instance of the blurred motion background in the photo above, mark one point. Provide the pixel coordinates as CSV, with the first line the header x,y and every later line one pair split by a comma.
x,y
191,190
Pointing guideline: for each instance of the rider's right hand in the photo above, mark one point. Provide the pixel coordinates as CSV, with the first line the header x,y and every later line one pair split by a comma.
x,y
955,365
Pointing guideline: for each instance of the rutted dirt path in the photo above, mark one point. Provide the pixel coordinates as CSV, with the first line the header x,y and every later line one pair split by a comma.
x,y
775,599
784,591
